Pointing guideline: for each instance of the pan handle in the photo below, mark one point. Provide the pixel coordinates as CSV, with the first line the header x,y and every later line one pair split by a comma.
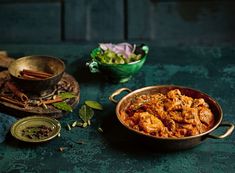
x,y
117,92
227,133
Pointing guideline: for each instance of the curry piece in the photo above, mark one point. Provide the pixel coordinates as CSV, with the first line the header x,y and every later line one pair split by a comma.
x,y
171,115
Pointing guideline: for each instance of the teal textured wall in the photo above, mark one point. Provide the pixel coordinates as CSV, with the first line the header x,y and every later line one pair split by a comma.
x,y
164,22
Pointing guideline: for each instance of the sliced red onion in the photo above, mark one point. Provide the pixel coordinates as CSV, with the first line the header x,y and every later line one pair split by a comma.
x,y
124,49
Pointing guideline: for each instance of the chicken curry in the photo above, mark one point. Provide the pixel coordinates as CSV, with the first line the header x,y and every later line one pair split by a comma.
x,y
169,115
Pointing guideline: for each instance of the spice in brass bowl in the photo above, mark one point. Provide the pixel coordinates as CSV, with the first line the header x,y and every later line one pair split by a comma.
x,y
36,73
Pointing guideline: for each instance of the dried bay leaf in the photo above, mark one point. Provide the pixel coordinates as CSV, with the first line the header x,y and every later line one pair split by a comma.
x,y
94,104
86,113
66,95
63,106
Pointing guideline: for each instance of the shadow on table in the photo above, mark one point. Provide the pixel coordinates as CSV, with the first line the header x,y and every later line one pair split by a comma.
x,y
82,73
11,141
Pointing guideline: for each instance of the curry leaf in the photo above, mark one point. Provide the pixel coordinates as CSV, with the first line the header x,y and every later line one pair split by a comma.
x,y
63,106
86,113
94,104
66,95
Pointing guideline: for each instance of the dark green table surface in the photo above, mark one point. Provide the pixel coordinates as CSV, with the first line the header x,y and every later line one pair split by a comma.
x,y
209,69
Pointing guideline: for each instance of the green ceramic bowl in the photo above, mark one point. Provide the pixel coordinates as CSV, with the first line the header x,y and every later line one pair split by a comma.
x,y
118,73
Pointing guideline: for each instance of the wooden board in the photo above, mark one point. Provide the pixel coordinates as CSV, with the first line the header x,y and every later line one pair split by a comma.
x,y
4,59
68,83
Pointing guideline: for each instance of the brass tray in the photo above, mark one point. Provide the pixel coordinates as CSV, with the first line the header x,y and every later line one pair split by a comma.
x,y
68,82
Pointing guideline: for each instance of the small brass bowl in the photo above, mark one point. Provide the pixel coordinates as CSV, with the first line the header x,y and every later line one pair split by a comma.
x,y
46,64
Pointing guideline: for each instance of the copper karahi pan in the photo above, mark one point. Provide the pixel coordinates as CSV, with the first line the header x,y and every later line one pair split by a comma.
x,y
173,143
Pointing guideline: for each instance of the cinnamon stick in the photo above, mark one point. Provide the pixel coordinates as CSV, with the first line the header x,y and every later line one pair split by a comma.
x,y
16,91
38,74
12,101
47,102
25,76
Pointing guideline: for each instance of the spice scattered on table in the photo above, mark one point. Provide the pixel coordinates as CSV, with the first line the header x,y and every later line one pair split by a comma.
x,y
68,127
100,130
74,124
80,142
86,113
61,149
79,124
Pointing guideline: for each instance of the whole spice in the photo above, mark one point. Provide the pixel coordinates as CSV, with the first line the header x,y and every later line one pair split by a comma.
x,y
35,74
61,149
46,102
44,106
80,142
74,124
16,91
89,122
37,132
79,124
25,76
12,101
100,130
84,125
86,113
68,127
